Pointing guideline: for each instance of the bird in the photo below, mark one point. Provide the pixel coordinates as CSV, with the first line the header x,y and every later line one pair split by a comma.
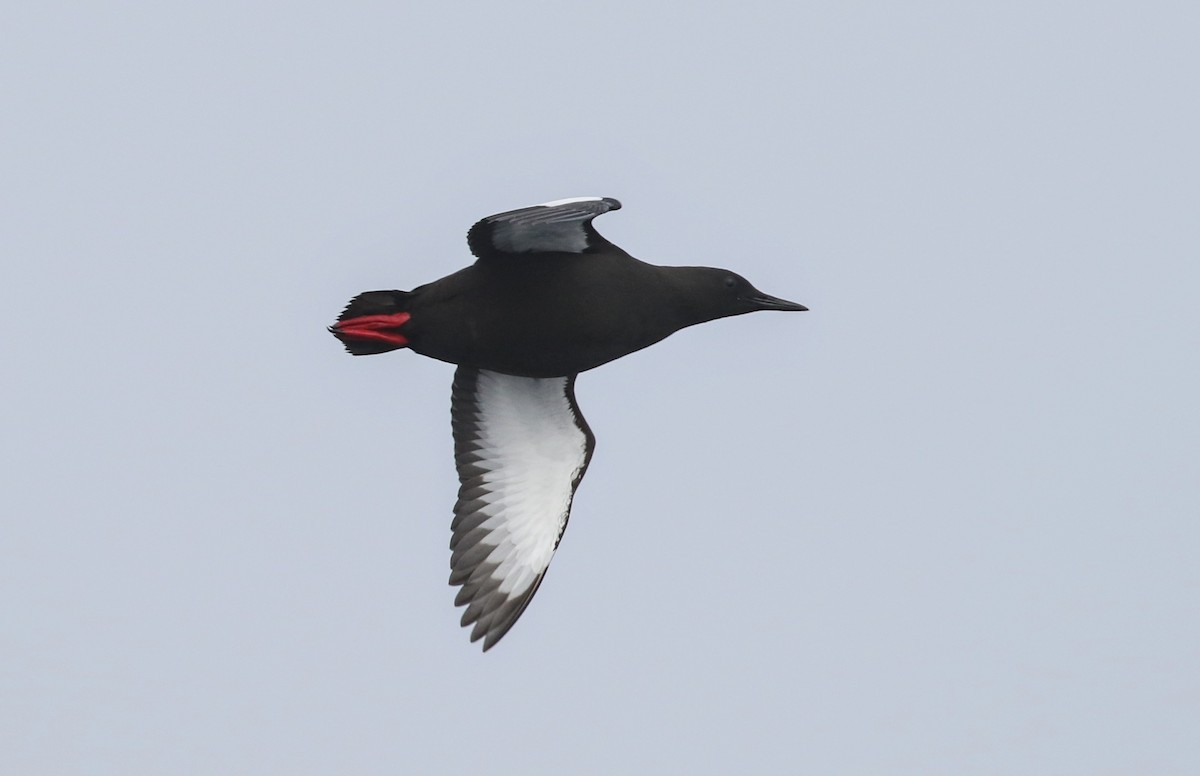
x,y
546,299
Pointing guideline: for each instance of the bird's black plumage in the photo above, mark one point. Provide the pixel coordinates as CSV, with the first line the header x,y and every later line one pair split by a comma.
x,y
546,299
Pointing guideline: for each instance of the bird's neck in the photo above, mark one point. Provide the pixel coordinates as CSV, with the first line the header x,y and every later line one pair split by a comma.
x,y
680,294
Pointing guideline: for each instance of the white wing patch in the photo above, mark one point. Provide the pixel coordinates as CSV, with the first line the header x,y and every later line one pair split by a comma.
x,y
521,448
570,201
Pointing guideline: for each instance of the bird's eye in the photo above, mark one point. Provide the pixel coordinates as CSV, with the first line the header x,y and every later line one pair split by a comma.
x,y
730,282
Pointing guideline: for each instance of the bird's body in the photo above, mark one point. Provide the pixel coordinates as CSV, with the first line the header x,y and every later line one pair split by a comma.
x,y
547,298
524,317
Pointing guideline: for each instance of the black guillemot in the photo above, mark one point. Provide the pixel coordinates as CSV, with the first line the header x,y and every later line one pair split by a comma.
x,y
547,298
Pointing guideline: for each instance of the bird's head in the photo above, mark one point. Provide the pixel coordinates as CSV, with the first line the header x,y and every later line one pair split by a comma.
x,y
710,293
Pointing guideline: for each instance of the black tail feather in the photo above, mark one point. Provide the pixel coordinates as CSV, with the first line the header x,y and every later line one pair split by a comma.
x,y
376,303
364,348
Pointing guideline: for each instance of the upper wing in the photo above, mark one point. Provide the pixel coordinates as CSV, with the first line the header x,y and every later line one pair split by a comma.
x,y
562,226
521,447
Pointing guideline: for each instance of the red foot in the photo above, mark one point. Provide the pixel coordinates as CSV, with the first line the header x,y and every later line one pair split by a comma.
x,y
377,328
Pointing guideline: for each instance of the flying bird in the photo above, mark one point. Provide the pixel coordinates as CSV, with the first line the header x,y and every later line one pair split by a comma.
x,y
546,299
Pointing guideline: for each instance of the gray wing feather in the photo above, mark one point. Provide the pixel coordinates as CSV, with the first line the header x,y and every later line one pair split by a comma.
x,y
556,227
521,448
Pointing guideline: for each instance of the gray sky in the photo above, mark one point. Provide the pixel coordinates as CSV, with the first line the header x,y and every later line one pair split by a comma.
x,y
944,523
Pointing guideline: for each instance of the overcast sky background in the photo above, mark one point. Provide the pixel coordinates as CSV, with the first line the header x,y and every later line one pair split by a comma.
x,y
944,523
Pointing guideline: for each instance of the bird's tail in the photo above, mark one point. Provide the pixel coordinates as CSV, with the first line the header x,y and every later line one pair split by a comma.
x,y
373,321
